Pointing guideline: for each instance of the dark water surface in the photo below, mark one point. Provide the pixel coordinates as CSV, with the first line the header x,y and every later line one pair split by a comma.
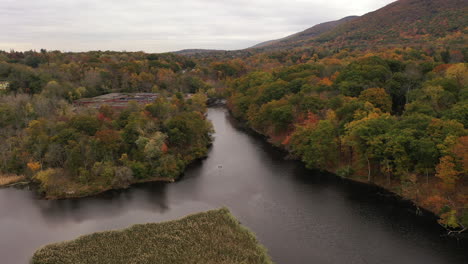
x,y
301,216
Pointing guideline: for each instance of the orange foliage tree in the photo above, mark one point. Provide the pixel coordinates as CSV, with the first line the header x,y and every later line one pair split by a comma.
x,y
447,172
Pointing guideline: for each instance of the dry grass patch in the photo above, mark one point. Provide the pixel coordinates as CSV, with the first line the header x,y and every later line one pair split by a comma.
x,y
210,237
10,179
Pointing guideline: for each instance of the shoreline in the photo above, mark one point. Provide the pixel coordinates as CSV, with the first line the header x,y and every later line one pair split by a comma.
x,y
43,196
420,210
78,196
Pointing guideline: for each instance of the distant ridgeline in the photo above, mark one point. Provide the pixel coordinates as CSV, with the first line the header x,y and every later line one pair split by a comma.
x,y
405,23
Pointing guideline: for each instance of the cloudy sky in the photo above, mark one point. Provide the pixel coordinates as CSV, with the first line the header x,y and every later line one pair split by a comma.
x,y
158,26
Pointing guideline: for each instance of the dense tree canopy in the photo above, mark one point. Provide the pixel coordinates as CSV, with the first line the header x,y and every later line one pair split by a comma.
x,y
393,116
390,118
75,151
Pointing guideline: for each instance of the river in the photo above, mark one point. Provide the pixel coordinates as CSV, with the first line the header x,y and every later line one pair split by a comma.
x,y
301,216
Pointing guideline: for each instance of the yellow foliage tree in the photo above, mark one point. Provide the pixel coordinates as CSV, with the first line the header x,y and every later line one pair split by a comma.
x,y
459,72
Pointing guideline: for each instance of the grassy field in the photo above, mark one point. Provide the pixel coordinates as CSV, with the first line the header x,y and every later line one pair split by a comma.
x,y
210,237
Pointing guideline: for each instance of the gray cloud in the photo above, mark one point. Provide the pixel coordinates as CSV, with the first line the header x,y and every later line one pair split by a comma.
x,y
157,26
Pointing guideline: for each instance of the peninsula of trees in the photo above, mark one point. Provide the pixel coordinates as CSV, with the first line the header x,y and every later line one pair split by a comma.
x,y
73,151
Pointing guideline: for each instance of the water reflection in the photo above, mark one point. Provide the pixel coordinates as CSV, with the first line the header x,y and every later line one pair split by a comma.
x,y
149,197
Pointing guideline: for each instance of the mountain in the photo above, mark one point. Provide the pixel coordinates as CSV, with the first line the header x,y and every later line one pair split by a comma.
x,y
403,21
303,35
399,23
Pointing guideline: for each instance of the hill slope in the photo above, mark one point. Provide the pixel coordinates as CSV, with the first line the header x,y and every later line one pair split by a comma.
x,y
401,22
404,21
297,38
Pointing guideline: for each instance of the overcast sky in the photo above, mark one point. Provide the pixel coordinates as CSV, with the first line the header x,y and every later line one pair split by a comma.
x,y
158,26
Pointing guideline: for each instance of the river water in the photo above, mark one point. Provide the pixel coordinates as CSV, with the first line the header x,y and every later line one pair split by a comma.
x,y
301,216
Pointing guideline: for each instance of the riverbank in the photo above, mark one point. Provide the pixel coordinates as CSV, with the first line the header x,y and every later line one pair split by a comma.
x,y
210,237
86,191
67,189
71,190
418,197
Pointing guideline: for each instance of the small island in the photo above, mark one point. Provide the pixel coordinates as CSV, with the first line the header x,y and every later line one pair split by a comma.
x,y
210,237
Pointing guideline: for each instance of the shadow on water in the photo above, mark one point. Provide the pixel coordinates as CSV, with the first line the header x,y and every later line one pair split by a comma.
x,y
150,196
301,216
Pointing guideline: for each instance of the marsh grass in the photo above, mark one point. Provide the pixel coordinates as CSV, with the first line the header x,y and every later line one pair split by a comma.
x,y
210,237
10,179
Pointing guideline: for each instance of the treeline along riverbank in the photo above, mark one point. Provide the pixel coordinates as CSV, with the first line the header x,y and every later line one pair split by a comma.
x,y
389,122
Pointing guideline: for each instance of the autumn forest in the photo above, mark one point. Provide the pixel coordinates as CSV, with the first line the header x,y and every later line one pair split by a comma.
x,y
379,99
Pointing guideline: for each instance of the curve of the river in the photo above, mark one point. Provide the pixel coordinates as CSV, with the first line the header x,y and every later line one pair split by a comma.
x,y
301,216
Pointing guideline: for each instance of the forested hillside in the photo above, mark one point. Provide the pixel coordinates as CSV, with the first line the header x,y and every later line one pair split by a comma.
x,y
420,24
409,22
403,22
